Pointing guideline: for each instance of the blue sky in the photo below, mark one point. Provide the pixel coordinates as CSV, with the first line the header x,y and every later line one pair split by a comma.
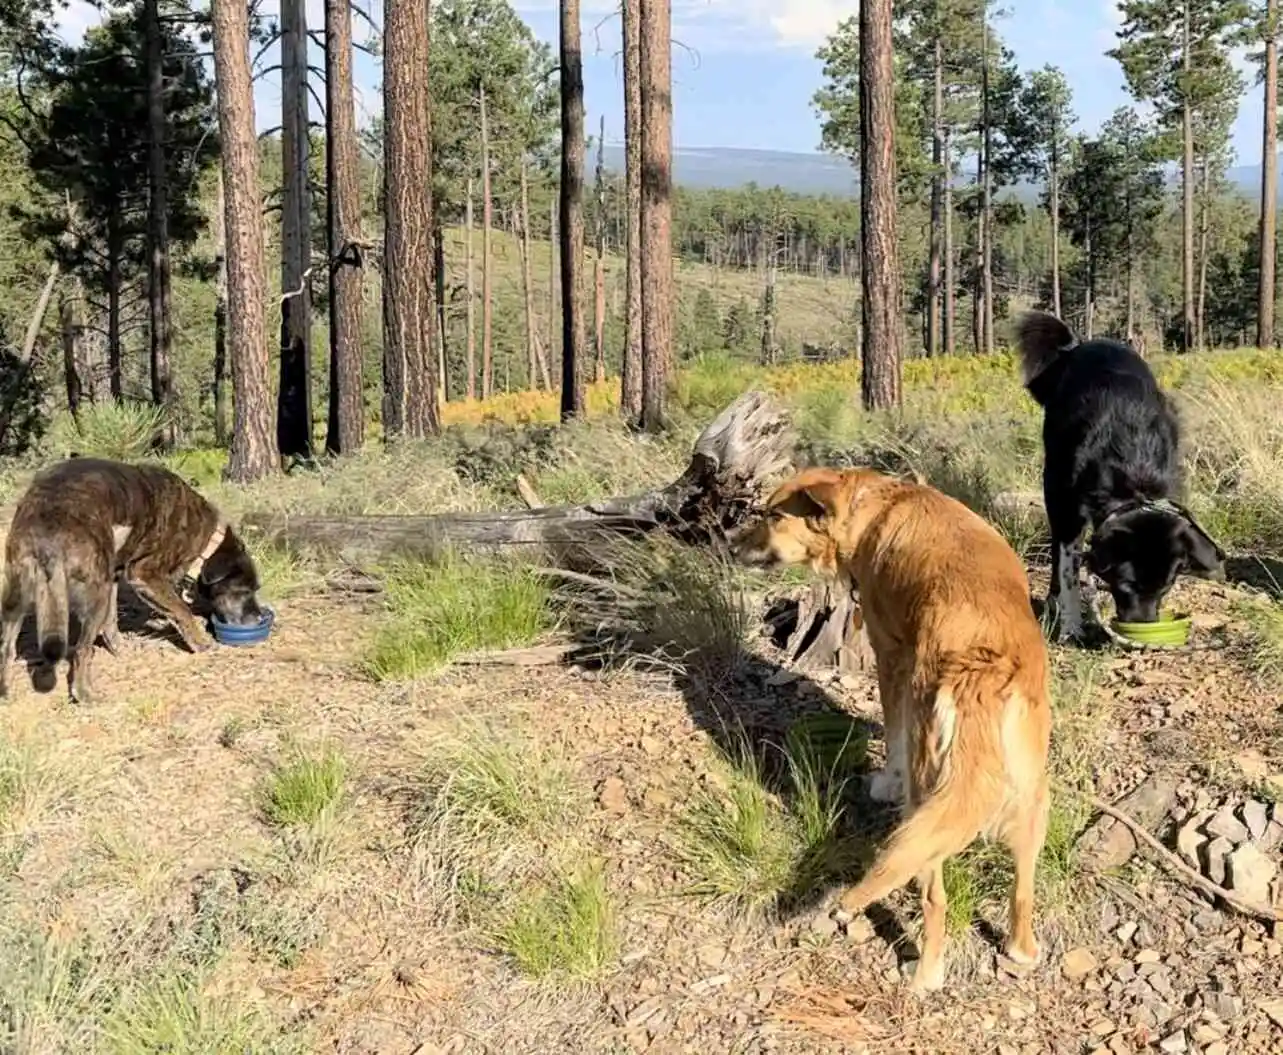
x,y
744,71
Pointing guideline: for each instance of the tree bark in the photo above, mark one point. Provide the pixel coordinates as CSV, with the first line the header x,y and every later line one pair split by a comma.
x,y
294,393
115,280
656,62
1204,208
950,279
599,264
937,199
409,368
879,265
630,402
470,289
253,452
1053,176
438,271
220,316
70,325
986,262
345,430
160,337
572,212
1269,182
487,303
37,320
554,272
1187,195
527,284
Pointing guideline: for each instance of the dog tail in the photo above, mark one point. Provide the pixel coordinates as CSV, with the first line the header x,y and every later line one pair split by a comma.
x,y
47,574
1041,339
967,742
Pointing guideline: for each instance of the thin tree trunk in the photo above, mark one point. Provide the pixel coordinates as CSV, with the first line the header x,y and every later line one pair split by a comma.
x,y
470,291
409,367
294,399
70,326
346,425
978,263
1204,207
527,284
253,452
769,347
950,280
158,270
1187,195
1089,294
630,403
37,320
986,268
655,46
572,214
1269,182
487,303
599,265
115,356
220,316
554,272
879,264
937,200
438,255
1054,179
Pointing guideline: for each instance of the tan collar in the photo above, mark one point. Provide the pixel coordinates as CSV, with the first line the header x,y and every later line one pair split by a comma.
x,y
215,540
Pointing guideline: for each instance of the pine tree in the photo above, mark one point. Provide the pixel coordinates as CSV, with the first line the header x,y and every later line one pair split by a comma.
x,y
1046,110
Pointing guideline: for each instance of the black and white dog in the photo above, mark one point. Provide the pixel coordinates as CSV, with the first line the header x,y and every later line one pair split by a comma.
x,y
1111,450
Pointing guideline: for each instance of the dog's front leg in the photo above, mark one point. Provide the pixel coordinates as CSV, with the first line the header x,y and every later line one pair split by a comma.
x,y
888,784
1064,596
111,628
161,595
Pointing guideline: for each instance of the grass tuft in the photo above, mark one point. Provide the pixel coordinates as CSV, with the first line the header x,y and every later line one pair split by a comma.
x,y
123,432
439,611
305,790
564,929
1264,620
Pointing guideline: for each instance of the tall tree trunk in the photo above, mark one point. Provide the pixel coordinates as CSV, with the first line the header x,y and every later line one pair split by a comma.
x,y
554,272
294,393
630,402
986,203
769,347
1053,175
528,286
879,265
487,265
220,316
655,47
1204,208
37,320
69,324
1089,292
158,270
937,199
253,453
470,291
438,270
1130,249
948,316
409,367
978,263
115,280
1187,194
599,264
1269,182
345,430
572,212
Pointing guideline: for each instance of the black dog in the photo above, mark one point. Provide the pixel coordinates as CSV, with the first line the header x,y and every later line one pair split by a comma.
x,y
1111,449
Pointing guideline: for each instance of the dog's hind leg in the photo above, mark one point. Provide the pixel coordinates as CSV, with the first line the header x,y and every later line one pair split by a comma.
x,y
12,611
929,972
1025,837
111,628
94,618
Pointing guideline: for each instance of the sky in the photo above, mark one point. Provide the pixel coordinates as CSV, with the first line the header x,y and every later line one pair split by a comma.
x,y
744,71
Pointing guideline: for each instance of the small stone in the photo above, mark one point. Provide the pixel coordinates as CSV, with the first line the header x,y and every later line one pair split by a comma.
x,y
1250,873
1191,837
824,925
1215,854
612,796
1147,956
1224,825
1203,1034
1125,932
1173,1043
782,677
1125,973
859,930
1224,1006
1102,1028
1078,963
1272,838
1108,846
1255,817
651,746
1217,1048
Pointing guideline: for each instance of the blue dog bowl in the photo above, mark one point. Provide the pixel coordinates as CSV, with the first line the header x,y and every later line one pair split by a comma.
x,y
237,636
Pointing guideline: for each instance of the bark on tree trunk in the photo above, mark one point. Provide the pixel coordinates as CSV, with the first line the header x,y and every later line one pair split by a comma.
x,y
527,285
1269,182
69,323
554,272
487,302
409,367
345,430
158,269
115,356
937,200
1187,195
879,265
572,215
599,264
630,403
37,320
253,453
950,281
1054,180
655,53
986,203
1204,205
438,269
294,392
220,316
470,288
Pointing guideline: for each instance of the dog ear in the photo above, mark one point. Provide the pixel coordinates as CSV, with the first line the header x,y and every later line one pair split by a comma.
x,y
1203,558
814,492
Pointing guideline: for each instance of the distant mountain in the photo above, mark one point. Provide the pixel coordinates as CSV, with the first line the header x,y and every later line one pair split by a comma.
x,y
727,168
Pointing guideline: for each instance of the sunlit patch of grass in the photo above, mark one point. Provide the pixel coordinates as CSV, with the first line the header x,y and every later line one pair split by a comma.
x,y
564,929
1264,620
305,789
31,784
53,993
439,611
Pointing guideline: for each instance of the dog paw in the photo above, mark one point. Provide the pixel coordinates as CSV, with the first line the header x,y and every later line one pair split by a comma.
x,y
113,643
1026,953
886,785
925,979
81,693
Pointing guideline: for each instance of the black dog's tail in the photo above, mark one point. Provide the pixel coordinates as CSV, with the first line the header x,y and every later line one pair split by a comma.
x,y
1041,339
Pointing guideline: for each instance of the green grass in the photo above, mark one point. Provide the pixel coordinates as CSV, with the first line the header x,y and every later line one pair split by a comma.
x,y
304,790
439,611
120,431
562,930
1264,619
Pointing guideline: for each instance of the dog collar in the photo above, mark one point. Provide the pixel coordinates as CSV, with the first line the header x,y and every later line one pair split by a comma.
x,y
1158,505
215,540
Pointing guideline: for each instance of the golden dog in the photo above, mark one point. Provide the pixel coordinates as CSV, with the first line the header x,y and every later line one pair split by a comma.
x,y
962,673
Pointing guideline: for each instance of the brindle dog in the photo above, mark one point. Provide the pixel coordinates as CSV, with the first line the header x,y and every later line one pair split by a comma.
x,y
86,523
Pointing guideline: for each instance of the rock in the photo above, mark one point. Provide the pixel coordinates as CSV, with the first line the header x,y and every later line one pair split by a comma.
x,y
1273,1011
1107,844
824,925
1272,838
612,796
860,930
1191,837
1224,1006
1251,763
1125,932
1173,1043
1215,854
651,746
1217,1048
1148,956
1255,817
1250,873
1078,963
1227,826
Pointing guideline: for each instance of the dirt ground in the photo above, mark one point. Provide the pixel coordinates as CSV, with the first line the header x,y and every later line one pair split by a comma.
x,y
151,815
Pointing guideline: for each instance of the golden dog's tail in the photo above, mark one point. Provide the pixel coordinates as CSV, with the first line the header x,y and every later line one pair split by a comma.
x,y
966,742
45,572
1041,339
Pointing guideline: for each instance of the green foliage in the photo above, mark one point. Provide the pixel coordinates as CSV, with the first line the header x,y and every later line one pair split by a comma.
x,y
304,789
564,929
123,432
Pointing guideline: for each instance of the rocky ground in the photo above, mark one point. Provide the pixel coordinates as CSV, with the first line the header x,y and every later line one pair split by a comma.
x,y
144,831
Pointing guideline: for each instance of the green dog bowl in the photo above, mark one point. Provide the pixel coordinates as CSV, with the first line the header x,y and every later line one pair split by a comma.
x,y
1169,630
835,741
